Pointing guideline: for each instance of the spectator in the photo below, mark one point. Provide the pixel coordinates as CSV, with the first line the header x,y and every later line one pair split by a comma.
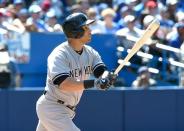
x,y
10,13
155,38
75,8
35,22
20,21
165,23
137,6
118,9
46,5
84,5
125,10
172,9
151,45
9,74
96,27
158,36
108,16
5,23
3,29
143,80
151,7
51,24
127,37
180,17
102,6
177,40
18,5
179,37
130,32
58,7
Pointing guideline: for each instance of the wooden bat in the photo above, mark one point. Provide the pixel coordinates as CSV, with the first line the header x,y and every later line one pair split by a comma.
x,y
153,26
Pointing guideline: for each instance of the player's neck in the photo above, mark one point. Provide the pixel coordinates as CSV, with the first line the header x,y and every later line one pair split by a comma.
x,y
76,45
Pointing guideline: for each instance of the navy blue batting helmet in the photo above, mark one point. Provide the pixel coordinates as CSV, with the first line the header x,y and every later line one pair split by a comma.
x,y
72,25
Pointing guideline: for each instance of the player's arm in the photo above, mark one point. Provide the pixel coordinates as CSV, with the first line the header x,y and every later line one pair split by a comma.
x,y
67,83
70,84
81,85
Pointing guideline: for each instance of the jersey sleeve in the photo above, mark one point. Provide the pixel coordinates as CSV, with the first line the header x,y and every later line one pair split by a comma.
x,y
58,68
98,66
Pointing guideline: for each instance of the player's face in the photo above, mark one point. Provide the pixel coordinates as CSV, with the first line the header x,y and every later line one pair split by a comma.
x,y
87,34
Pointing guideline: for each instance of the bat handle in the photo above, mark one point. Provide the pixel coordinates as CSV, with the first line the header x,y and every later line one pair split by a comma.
x,y
116,72
119,68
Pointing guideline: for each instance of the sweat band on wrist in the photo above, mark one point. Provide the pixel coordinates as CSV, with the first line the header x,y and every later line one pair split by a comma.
x,y
88,84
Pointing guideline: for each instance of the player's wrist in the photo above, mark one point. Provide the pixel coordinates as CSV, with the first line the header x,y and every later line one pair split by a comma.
x,y
89,84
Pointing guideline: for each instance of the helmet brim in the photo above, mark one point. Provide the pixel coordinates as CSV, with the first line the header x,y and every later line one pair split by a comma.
x,y
88,22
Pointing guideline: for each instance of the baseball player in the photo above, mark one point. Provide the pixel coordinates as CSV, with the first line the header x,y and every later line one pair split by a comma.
x,y
69,66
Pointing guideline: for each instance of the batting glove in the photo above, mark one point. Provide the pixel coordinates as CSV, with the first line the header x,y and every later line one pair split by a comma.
x,y
102,83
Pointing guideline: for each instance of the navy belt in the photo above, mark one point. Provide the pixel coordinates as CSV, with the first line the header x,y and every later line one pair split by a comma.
x,y
63,103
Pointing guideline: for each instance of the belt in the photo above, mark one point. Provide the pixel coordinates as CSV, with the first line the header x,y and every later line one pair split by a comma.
x,y
63,103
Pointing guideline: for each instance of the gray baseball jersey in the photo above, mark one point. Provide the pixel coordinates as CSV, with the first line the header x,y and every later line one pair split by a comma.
x,y
65,61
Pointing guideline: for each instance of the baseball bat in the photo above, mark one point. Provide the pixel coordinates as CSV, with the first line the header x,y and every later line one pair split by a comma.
x,y
153,26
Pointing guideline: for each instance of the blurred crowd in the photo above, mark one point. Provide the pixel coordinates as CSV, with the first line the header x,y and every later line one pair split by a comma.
x,y
127,19
111,15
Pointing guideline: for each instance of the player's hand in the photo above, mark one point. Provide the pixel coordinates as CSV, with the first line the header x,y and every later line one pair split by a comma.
x,y
102,83
106,80
112,77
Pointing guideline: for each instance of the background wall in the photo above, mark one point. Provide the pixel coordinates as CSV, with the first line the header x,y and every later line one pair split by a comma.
x,y
113,110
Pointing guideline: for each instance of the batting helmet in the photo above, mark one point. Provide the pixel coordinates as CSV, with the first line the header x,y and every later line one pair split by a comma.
x,y
72,25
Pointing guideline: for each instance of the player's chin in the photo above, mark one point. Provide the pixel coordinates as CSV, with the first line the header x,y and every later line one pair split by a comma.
x,y
88,40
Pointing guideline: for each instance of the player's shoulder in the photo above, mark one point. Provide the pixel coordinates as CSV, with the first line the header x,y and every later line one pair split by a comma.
x,y
59,50
61,47
91,51
89,48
